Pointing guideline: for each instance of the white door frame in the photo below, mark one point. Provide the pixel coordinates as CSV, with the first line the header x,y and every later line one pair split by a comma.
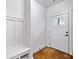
x,y
69,29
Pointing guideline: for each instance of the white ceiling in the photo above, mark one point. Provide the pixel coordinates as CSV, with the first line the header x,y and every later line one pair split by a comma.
x,y
48,3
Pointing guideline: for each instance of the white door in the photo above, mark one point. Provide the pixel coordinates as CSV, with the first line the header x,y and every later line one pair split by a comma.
x,y
59,32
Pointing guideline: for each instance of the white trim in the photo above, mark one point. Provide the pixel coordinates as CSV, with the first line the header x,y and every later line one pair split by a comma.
x,y
14,19
39,48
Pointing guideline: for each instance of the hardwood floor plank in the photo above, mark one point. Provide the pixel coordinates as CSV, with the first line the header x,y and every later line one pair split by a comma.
x,y
51,53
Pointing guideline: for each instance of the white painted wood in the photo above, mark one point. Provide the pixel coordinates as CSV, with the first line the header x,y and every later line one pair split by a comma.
x,y
58,37
19,33
26,56
15,32
27,23
10,34
15,18
15,8
17,52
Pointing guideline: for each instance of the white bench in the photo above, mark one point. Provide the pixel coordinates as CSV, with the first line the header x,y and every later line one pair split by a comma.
x,y
18,53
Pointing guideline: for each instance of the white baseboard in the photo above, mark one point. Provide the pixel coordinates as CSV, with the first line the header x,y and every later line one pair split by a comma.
x,y
39,48
31,58
71,52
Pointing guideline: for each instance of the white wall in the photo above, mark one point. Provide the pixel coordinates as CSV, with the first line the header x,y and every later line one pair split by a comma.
x,y
15,8
38,29
65,6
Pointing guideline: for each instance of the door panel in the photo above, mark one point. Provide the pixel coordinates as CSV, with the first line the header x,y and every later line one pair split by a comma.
x,y
19,33
10,34
59,32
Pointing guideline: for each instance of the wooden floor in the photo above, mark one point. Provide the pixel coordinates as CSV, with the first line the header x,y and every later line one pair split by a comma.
x,y
50,53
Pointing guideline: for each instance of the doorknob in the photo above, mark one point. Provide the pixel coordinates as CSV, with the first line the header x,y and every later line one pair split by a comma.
x,y
66,35
66,32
